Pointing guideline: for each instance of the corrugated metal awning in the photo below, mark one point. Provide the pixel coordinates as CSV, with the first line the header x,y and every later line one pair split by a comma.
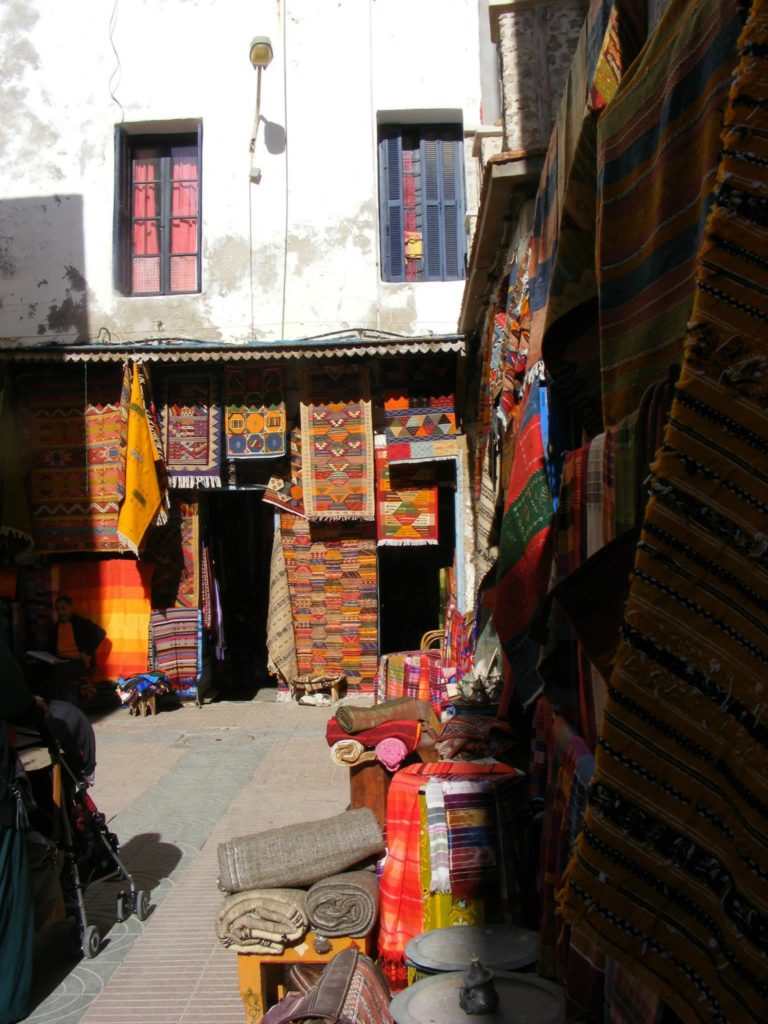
x,y
187,350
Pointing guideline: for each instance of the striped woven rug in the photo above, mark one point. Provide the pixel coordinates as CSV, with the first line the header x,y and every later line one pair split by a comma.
x,y
670,875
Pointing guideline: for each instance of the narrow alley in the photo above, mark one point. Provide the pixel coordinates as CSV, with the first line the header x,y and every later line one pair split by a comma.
x,y
172,787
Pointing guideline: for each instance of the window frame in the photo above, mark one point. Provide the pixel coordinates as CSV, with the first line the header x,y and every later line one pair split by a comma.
x,y
126,144
443,244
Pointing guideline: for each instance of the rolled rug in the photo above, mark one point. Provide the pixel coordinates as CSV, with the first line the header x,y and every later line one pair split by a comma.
x,y
350,752
391,753
346,904
299,855
354,719
409,732
263,920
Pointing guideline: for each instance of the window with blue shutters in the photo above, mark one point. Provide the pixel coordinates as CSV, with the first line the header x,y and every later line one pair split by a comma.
x,y
421,203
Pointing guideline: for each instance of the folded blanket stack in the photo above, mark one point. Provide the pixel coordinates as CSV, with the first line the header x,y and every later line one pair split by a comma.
x,y
263,921
345,904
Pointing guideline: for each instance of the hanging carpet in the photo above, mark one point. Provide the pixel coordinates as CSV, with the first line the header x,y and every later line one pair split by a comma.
x,y
191,424
332,579
286,491
281,643
406,502
70,426
255,412
337,443
174,549
670,873
419,411
175,636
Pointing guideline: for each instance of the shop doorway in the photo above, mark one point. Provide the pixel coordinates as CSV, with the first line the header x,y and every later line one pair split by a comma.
x,y
410,601
239,528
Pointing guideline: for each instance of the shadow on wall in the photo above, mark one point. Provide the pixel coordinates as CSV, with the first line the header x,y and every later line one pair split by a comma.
x,y
42,268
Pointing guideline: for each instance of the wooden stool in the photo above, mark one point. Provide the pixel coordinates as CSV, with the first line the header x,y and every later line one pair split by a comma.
x,y
260,973
301,685
144,706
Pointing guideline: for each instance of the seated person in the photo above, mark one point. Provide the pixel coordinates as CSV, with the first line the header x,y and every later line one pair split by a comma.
x,y
74,639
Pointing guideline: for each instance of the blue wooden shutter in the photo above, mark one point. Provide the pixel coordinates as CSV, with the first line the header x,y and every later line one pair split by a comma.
x,y
391,206
453,207
443,201
431,191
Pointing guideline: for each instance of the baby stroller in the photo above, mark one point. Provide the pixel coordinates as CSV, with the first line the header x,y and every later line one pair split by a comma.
x,y
88,851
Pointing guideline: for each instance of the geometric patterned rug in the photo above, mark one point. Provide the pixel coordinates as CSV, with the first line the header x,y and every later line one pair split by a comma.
x,y
69,430
337,443
255,412
332,578
419,412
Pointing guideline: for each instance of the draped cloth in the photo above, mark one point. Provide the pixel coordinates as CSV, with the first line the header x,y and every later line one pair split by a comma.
x,y
176,646
281,642
114,593
401,914
525,550
657,146
670,874
565,306
142,500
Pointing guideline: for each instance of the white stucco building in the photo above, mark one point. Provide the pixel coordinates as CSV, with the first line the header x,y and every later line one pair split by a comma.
x,y
295,254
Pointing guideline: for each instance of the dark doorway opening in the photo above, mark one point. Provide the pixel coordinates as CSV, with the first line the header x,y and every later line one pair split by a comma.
x,y
409,576
239,529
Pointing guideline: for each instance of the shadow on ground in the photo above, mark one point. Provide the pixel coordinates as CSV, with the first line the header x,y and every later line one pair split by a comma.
x,y
149,862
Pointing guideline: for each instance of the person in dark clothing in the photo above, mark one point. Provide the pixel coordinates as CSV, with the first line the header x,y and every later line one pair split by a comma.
x,y
74,640
18,706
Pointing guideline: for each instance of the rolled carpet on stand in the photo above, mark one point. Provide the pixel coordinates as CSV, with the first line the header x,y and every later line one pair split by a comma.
x,y
354,719
263,920
407,731
345,904
299,855
349,753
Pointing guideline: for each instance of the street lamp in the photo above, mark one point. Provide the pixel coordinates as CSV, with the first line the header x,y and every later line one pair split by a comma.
x,y
260,55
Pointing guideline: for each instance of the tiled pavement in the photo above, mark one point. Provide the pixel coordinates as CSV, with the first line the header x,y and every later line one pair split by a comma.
x,y
173,787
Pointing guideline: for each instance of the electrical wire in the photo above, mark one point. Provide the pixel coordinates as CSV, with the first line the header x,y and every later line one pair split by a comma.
x,y
114,78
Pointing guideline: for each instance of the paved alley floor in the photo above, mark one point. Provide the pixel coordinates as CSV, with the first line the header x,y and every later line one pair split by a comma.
x,y
172,787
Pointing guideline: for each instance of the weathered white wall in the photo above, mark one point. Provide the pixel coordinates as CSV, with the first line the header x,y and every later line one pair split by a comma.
x,y
294,256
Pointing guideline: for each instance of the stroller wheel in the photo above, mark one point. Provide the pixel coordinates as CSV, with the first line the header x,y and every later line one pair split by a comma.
x,y
121,907
142,904
91,943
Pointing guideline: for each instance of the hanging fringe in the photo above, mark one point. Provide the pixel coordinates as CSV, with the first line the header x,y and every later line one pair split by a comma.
x,y
190,482
403,543
126,544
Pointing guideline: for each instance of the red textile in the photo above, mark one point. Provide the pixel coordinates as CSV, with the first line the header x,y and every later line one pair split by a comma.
x,y
408,732
400,898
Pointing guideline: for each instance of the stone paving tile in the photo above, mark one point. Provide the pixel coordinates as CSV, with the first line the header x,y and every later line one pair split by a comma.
x,y
205,774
